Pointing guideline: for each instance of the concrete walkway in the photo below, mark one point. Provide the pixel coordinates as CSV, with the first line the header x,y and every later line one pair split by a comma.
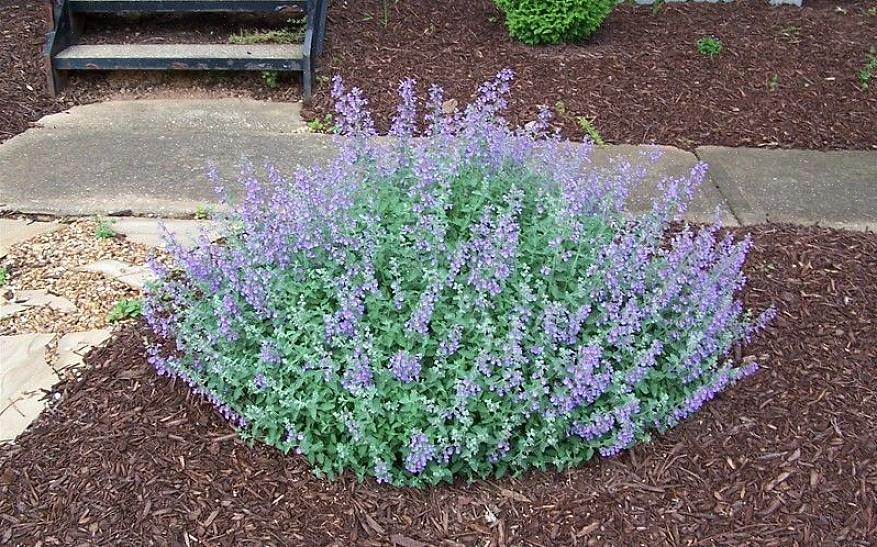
x,y
149,157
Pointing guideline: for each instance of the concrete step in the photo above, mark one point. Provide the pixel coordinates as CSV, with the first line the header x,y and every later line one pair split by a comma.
x,y
184,6
280,57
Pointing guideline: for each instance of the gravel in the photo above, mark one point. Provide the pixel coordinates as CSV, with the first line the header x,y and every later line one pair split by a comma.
x,y
50,261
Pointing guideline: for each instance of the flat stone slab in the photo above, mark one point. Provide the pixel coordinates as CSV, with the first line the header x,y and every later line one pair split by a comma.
x,y
148,231
74,346
24,373
160,180
211,115
13,231
835,188
133,276
24,367
167,176
672,163
22,300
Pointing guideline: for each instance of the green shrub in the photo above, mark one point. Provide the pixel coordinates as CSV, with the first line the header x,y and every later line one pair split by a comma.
x,y
468,304
554,21
709,45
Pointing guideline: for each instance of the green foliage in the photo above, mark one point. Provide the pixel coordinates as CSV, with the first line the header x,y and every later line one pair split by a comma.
x,y
472,303
104,229
4,276
270,77
202,212
867,72
589,128
773,83
709,45
127,308
326,124
554,21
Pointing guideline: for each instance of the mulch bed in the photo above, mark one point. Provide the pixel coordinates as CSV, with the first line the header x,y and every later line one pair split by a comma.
x,y
641,79
24,96
786,76
788,457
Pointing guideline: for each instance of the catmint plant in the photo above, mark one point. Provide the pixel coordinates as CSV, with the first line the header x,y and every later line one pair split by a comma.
x,y
461,299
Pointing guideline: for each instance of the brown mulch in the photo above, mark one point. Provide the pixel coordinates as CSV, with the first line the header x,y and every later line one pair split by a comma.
x,y
786,76
641,79
23,91
788,457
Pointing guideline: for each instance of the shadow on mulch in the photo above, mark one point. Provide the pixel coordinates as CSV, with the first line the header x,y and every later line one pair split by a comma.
x,y
788,457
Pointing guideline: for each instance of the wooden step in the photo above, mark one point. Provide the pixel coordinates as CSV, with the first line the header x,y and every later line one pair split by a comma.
x,y
279,57
183,6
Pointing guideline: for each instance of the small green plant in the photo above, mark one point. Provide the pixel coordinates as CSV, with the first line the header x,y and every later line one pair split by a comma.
x,y
326,124
127,308
709,45
657,7
202,212
790,31
773,83
4,275
270,77
104,229
588,127
871,11
385,16
867,71
554,21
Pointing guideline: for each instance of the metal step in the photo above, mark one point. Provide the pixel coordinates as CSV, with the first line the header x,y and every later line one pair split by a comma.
x,y
279,57
183,6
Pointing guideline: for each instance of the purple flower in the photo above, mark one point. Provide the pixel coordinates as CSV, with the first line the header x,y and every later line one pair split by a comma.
x,y
358,374
268,353
420,453
405,367
382,472
260,382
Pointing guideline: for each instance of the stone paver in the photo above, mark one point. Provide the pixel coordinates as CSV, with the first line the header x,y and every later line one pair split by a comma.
x,y
22,359
8,309
673,163
25,299
147,231
133,276
14,231
837,188
24,373
175,140
227,115
72,347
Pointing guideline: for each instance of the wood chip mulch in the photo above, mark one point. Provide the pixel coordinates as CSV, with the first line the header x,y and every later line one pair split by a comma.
x,y
788,457
786,76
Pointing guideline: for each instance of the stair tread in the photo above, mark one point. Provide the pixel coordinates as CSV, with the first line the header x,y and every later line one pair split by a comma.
x,y
184,1
183,51
231,2
183,6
